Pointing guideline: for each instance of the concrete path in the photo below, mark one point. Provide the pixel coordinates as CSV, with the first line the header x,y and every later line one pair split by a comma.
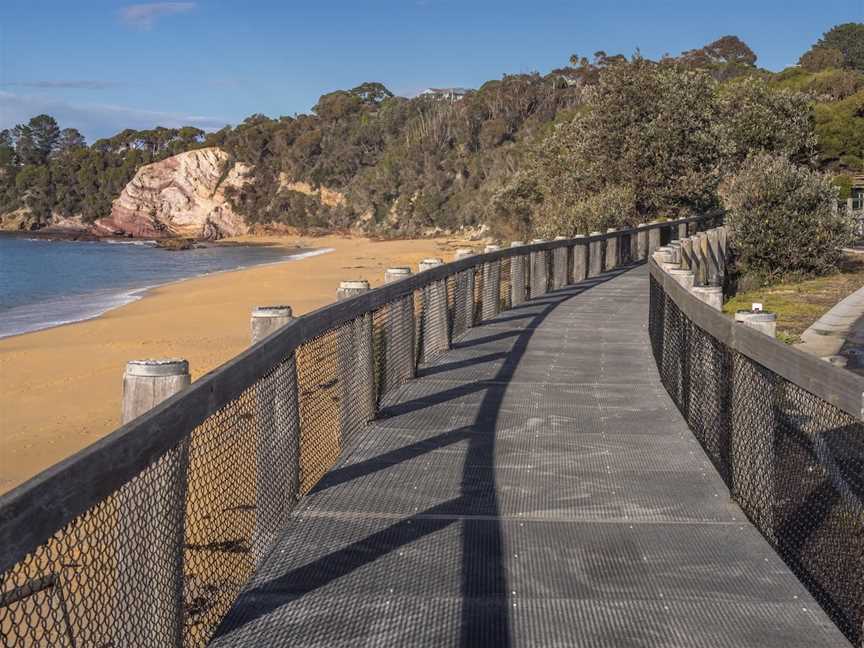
x,y
535,487
839,333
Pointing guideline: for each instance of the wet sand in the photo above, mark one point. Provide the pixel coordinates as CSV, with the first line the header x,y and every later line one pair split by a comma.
x,y
60,388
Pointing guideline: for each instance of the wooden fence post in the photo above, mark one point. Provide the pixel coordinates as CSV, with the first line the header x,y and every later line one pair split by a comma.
x,y
152,519
277,436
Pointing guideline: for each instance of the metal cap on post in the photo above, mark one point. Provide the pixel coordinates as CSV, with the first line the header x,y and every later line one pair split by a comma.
x,y
351,288
426,264
269,319
711,295
684,277
395,274
762,321
642,241
146,383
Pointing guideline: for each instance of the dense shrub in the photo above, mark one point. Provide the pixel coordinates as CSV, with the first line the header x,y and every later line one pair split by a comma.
x,y
782,221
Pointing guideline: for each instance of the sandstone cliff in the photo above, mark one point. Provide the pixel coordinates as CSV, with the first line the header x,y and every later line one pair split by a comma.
x,y
183,195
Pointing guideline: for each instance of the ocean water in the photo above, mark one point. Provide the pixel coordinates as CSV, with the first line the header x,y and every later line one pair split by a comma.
x,y
45,283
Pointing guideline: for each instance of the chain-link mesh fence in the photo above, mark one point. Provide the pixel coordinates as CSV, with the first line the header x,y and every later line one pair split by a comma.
x,y
793,461
146,539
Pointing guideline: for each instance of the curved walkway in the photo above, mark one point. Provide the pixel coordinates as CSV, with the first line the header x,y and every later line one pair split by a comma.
x,y
535,486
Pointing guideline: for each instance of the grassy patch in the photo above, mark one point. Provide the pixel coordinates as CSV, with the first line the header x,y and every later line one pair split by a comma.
x,y
800,304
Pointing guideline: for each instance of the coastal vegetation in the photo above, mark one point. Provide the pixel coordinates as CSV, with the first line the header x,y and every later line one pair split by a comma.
x,y
603,142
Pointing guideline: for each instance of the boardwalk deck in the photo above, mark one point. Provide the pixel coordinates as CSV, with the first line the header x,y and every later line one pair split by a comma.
x,y
535,486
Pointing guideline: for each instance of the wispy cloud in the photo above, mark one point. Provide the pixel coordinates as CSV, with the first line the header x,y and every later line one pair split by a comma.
x,y
72,84
93,119
144,16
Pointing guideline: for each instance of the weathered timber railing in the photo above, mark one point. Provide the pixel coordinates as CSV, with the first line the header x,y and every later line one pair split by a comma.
x,y
783,428
146,537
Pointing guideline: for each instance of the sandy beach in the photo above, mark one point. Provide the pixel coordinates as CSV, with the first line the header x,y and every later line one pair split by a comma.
x,y
61,387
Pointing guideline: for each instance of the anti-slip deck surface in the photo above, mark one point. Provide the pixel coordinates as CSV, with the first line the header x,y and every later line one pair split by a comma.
x,y
535,486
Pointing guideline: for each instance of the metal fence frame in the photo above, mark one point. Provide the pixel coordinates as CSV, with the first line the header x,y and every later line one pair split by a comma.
x,y
783,428
35,514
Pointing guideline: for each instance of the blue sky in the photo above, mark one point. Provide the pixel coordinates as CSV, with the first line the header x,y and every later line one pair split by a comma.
x,y
102,66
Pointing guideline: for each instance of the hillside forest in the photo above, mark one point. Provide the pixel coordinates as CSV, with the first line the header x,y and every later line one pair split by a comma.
x,y
606,140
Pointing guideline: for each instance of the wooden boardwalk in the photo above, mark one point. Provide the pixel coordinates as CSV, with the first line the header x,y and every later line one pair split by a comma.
x,y
535,486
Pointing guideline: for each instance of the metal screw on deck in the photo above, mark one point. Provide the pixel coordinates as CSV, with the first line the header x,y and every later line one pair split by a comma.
x,y
277,435
151,529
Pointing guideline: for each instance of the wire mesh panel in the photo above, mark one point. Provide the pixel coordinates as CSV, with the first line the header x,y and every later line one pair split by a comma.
x,y
793,461
434,316
490,297
518,279
463,303
505,291
539,273
157,555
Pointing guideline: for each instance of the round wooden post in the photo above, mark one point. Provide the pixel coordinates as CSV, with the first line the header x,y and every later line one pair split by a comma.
x,y
399,347
518,284
490,297
611,249
434,327
351,288
653,238
642,241
580,258
151,519
559,265
595,256
277,436
269,319
539,271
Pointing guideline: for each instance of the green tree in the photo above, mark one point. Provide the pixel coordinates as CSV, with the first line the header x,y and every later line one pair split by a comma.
x,y
645,129
45,133
69,140
848,39
821,58
755,118
781,219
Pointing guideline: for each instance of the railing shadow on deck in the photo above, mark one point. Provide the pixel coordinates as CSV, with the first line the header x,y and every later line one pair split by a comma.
x,y
151,533
487,625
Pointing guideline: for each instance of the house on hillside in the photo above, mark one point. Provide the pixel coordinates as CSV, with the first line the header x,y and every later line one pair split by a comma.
x,y
446,94
858,191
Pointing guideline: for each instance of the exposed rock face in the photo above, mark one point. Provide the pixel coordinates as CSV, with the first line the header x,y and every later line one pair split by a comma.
x,y
20,220
179,196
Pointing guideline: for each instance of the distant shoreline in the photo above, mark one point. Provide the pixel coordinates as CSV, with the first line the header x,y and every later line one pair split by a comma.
x,y
76,369
99,302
